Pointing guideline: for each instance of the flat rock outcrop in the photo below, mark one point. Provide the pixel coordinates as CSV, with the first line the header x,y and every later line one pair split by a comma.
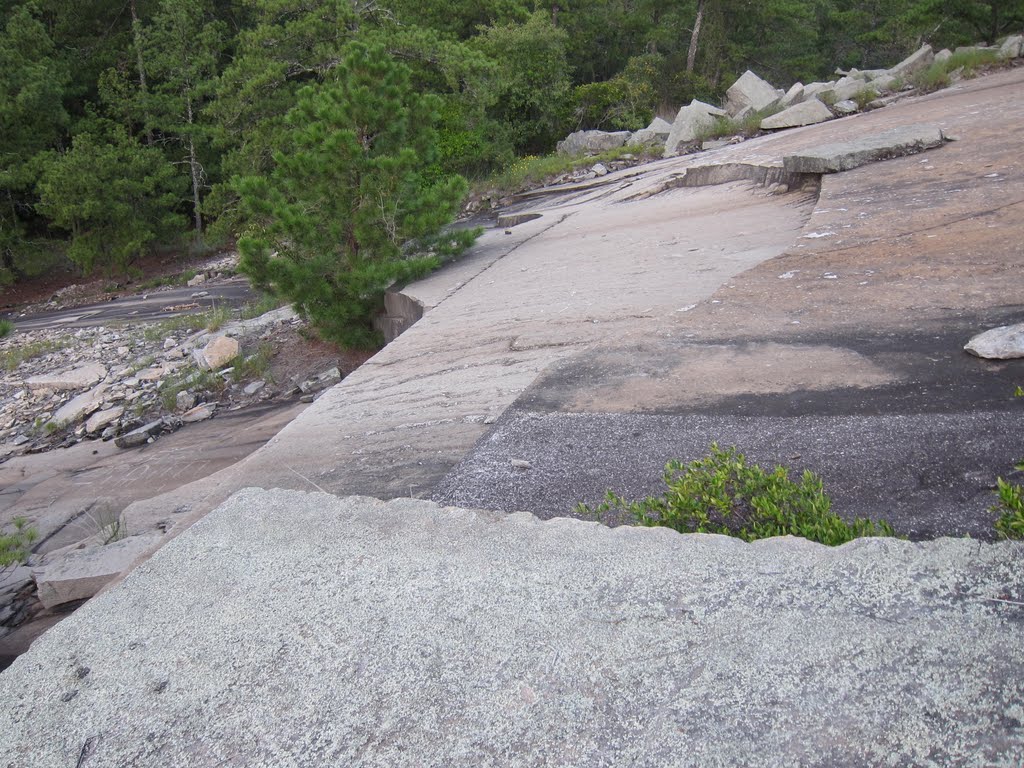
x,y
591,142
407,634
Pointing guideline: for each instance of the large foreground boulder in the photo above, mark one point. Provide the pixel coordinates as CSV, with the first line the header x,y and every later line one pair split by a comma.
x,y
750,91
591,142
293,629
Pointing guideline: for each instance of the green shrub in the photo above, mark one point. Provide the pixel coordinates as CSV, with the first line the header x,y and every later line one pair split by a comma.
x,y
15,547
970,62
723,494
1011,503
6,328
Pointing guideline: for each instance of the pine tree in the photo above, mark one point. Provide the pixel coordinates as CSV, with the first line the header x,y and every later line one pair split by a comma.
x,y
347,209
115,196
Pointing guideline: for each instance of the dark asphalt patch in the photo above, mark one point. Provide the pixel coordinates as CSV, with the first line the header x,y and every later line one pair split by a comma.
x,y
922,452
928,474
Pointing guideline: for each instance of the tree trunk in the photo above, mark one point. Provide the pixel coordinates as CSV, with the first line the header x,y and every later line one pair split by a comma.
x,y
137,40
195,168
554,14
691,54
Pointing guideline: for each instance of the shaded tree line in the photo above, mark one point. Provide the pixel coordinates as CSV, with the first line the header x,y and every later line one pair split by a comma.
x,y
130,125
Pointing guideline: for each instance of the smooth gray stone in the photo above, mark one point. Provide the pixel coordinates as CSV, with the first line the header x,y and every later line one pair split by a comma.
x,y
847,155
309,630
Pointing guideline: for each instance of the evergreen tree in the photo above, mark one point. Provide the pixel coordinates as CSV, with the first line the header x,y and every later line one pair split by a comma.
x,y
32,119
114,196
346,210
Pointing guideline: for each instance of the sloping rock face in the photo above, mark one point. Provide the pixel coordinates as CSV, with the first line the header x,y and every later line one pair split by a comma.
x,y
406,634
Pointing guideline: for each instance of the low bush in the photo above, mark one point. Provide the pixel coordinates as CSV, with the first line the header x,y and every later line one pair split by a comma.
x,y
16,546
723,494
6,328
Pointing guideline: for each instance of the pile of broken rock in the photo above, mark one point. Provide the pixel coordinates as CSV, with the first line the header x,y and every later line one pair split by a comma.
x,y
801,105
105,383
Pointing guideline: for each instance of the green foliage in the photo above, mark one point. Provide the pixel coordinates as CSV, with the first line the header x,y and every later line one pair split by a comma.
x,y
531,171
723,494
204,382
16,546
347,211
6,328
968,63
1011,506
532,93
254,366
115,197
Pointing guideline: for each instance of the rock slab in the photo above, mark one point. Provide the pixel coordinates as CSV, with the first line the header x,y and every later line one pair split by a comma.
x,y
845,156
217,353
1003,343
806,113
78,378
80,574
354,632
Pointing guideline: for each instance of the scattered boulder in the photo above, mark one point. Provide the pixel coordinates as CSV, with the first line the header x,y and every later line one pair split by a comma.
x,y
197,280
77,378
691,121
254,387
655,133
884,84
750,91
101,419
81,573
1003,343
1012,47
199,413
794,95
806,113
846,107
600,169
78,407
139,436
916,62
217,353
184,400
943,56
591,142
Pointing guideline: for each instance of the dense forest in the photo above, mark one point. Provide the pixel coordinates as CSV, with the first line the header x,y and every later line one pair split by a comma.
x,y
134,124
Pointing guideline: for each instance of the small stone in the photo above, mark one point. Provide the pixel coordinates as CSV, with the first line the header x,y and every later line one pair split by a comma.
x,y
600,169
199,413
520,464
254,387
1003,343
170,343
197,280
184,401
218,352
